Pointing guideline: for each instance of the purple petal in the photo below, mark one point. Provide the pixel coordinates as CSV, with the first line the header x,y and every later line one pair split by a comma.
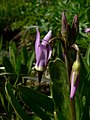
x,y
44,53
87,30
37,42
73,85
47,38
49,49
41,60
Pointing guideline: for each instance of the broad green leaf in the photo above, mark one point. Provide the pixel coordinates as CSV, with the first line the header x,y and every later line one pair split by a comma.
x,y
15,104
34,107
60,87
39,99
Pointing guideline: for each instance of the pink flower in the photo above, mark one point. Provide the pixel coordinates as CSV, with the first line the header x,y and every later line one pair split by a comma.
x,y
43,51
87,30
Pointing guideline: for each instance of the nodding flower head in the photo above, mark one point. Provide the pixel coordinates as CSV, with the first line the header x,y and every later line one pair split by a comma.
x,y
87,30
43,51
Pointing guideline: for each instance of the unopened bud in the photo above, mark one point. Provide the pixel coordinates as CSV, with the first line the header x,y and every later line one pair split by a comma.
x,y
74,30
74,78
76,66
65,26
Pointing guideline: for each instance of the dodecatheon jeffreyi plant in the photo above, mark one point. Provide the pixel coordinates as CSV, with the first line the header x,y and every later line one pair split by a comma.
x,y
74,77
43,52
87,30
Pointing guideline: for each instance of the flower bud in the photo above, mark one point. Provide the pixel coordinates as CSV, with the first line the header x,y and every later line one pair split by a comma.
x,y
74,30
76,66
65,27
74,78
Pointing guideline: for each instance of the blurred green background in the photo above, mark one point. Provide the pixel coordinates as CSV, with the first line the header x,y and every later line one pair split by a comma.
x,y
17,15
17,57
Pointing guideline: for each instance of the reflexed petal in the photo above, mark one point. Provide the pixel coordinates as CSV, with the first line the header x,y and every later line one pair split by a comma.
x,y
49,49
47,38
87,30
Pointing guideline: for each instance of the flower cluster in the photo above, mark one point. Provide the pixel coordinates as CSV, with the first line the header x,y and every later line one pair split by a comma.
x,y
43,50
68,33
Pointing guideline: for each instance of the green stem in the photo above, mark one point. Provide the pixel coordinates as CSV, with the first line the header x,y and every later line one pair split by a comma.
x,y
72,108
72,101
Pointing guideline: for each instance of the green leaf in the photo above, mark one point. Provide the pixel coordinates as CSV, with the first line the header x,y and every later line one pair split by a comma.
x,y
30,61
24,55
88,55
83,74
82,96
40,99
15,104
35,107
12,52
7,64
60,87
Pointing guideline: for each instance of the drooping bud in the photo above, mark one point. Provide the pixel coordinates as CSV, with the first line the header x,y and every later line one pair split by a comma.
x,y
74,77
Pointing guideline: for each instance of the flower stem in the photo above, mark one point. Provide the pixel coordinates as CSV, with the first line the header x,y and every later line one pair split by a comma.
x,y
72,108
72,101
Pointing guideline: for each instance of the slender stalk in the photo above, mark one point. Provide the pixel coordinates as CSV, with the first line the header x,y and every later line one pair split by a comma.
x,y
72,101
72,108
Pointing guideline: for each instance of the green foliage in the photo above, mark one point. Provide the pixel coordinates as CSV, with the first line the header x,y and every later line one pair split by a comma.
x,y
43,106
15,104
38,103
60,88
18,62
